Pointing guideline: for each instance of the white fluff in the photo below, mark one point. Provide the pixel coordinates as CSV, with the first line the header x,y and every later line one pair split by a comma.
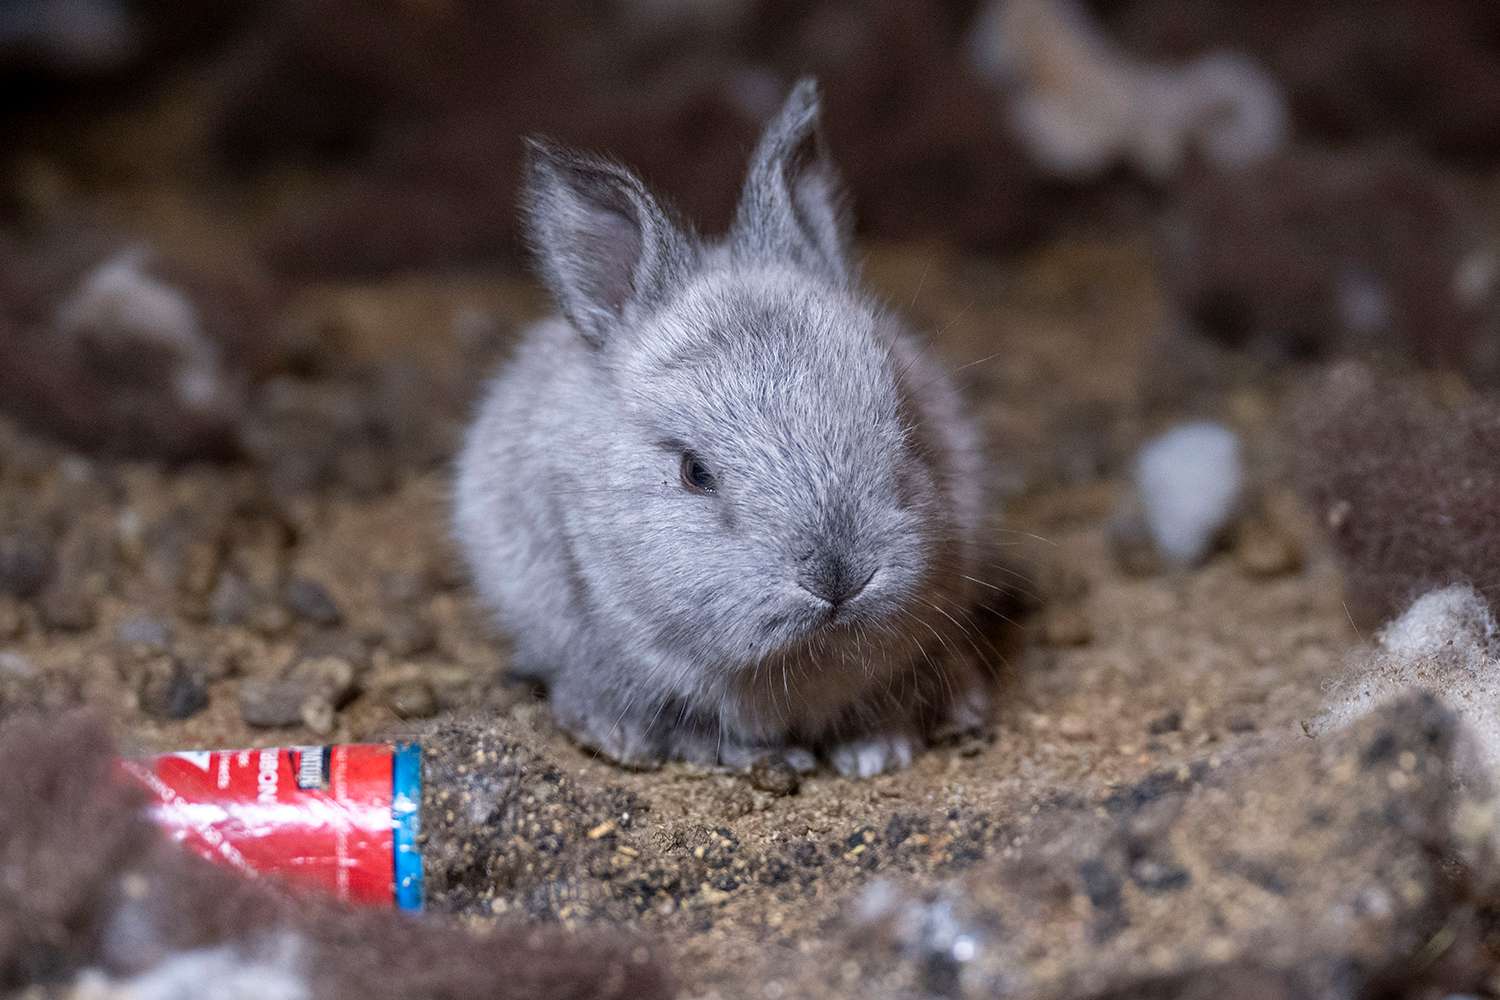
x,y
1448,643
1082,105
119,303
224,973
1190,481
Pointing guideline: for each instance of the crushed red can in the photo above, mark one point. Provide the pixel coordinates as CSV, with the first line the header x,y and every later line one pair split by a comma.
x,y
343,818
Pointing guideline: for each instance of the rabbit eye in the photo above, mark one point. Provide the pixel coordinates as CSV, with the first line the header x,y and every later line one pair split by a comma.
x,y
695,475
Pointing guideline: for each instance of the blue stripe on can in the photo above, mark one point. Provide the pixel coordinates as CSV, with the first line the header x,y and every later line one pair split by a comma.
x,y
406,809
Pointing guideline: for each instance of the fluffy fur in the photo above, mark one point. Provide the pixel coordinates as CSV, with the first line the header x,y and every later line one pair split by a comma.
x,y
1447,642
1410,492
92,896
803,601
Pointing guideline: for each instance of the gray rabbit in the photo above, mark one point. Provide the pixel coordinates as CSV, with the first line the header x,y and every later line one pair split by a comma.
x,y
725,505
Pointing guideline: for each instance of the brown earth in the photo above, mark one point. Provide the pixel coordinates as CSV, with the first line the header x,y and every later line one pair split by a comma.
x,y
160,589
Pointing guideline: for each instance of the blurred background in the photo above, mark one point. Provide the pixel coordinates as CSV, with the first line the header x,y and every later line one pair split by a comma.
x,y
1314,179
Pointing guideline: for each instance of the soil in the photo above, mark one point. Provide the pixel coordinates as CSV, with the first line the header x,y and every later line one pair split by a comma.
x,y
169,591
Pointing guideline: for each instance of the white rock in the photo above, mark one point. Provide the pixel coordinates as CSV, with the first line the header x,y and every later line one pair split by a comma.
x,y
1190,481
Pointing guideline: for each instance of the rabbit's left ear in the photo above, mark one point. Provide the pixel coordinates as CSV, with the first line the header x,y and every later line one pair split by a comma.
x,y
607,249
793,205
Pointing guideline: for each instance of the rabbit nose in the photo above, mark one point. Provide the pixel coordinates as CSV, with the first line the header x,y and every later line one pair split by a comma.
x,y
834,579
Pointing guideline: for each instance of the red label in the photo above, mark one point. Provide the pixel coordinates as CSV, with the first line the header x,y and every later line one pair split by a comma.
x,y
317,816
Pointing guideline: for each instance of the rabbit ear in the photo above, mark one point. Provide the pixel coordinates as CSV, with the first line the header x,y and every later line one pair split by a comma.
x,y
793,204
606,248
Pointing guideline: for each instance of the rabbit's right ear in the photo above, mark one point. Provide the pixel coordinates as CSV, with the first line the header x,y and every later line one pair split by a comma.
x,y
606,248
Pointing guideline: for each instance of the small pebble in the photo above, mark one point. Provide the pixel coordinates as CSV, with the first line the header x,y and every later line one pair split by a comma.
x,y
1263,550
317,713
232,600
25,564
200,568
16,666
1168,722
405,634
405,586
171,691
774,775
329,677
411,700
270,620
1066,626
310,601
1074,727
66,608
12,621
338,644
271,704
145,631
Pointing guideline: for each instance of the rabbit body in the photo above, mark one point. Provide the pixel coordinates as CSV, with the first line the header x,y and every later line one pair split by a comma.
x,y
724,505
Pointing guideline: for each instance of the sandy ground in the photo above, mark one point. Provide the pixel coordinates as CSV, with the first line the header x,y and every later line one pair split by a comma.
x,y
1109,677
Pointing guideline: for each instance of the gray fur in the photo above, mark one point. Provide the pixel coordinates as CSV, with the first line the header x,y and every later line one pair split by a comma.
x,y
669,623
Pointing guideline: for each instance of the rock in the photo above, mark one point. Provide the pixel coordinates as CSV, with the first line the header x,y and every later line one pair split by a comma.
x,y
1263,549
25,564
270,620
1190,481
146,632
200,567
406,586
220,658
1066,625
1167,722
271,704
231,601
66,607
14,666
12,621
411,700
1074,727
331,677
1309,871
338,644
170,691
405,634
311,602
317,713
25,687
774,775
309,694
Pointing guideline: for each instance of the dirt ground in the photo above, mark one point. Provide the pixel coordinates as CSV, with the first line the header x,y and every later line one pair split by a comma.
x,y
185,587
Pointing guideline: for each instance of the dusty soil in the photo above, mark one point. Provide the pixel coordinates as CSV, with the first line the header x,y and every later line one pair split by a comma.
x,y
167,593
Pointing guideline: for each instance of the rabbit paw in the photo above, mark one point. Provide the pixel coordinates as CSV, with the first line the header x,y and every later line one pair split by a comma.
x,y
872,755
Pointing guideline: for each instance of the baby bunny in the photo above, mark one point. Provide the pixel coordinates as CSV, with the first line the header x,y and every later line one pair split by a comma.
x,y
725,505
